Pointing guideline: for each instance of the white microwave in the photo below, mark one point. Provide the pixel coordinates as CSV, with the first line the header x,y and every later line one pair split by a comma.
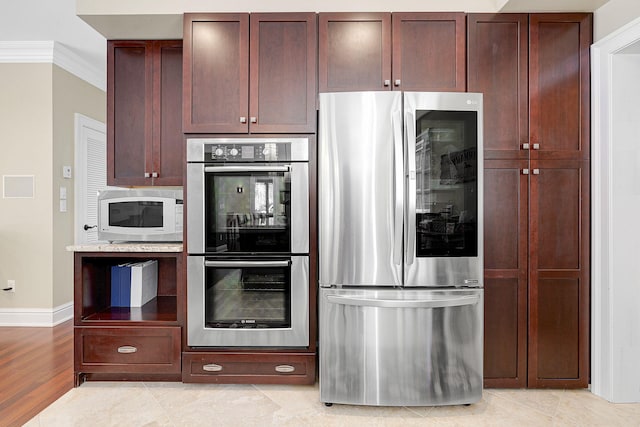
x,y
140,215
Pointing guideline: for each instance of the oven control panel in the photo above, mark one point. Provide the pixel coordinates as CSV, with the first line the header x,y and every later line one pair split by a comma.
x,y
247,152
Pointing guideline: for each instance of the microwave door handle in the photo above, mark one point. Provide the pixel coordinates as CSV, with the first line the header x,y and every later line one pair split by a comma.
x,y
285,168
410,230
236,264
398,186
401,303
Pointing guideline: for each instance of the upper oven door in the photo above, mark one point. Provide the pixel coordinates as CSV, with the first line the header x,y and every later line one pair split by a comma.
x,y
248,208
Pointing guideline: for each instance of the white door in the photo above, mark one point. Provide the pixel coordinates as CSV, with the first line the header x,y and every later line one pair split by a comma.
x,y
91,176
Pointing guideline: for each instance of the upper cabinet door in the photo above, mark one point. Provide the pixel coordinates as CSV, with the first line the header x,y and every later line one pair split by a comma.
x,y
216,73
559,95
429,51
354,51
498,67
283,72
144,133
129,117
168,140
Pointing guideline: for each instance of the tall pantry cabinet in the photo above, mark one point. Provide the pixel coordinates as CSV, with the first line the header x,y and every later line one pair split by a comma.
x,y
534,73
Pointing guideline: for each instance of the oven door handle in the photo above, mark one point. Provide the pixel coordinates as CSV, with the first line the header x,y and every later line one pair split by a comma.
x,y
285,263
285,168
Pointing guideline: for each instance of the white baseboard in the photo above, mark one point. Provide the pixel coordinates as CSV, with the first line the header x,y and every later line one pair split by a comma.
x,y
36,316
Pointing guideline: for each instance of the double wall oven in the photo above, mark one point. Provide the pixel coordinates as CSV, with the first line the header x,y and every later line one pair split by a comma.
x,y
248,242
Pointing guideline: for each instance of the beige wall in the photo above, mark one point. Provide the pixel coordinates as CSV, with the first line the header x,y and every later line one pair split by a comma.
x,y
70,95
37,134
26,147
613,15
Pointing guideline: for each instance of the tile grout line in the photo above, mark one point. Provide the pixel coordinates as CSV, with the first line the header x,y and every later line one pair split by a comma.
x,y
164,411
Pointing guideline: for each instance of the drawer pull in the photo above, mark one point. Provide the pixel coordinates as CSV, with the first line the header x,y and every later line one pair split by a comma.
x,y
212,367
284,369
126,349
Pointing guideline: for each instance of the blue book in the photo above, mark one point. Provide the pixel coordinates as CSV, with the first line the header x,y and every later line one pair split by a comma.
x,y
115,286
125,285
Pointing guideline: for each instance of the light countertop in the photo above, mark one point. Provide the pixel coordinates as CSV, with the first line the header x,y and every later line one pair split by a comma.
x,y
126,247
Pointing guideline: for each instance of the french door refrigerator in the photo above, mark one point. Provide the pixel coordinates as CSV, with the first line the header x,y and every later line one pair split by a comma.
x,y
400,248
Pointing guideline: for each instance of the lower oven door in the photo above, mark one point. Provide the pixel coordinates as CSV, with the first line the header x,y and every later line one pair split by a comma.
x,y
250,302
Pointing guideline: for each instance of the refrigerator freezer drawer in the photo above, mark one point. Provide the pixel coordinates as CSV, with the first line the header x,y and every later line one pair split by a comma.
x,y
401,347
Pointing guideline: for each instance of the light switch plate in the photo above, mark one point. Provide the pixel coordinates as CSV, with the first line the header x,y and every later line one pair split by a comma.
x,y
63,193
66,171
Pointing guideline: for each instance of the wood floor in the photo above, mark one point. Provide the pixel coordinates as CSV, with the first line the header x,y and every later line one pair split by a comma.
x,y
36,368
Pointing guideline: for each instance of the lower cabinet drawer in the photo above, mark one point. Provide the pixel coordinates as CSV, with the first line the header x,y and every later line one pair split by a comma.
x,y
128,349
285,368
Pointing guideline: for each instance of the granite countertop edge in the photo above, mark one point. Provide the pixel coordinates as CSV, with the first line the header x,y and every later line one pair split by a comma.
x,y
126,247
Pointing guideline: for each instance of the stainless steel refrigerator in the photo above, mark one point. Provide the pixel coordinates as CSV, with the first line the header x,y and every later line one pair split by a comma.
x,y
400,248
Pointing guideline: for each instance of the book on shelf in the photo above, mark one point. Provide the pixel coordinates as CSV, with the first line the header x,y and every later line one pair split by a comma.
x,y
144,282
134,284
121,285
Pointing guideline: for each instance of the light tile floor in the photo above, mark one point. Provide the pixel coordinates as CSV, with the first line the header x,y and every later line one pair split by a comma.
x,y
98,404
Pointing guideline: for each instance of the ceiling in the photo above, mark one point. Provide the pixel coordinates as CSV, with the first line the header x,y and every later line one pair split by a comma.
x,y
39,20
83,26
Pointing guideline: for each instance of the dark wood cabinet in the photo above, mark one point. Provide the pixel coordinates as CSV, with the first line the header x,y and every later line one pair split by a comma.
x,y
216,73
249,368
429,51
354,51
536,195
559,82
144,130
506,256
283,72
127,343
146,350
498,63
559,274
385,51
249,73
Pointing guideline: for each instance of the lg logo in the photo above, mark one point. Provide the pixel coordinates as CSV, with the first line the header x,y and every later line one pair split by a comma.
x,y
471,102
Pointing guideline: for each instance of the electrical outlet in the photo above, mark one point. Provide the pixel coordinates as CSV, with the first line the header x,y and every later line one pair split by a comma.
x,y
11,286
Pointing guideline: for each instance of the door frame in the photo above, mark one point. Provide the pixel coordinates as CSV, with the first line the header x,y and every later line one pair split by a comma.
x,y
82,123
607,315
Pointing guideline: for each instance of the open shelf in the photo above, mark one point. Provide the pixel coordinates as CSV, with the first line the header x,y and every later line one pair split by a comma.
x,y
159,309
93,289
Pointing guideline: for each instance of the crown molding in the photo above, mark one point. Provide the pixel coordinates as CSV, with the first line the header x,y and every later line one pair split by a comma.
x,y
52,52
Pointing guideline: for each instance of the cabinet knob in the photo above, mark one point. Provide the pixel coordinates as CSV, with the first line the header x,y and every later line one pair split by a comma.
x,y
285,369
536,146
212,367
525,171
387,82
127,349
243,120
536,171
147,175
397,82
525,146
254,120
154,175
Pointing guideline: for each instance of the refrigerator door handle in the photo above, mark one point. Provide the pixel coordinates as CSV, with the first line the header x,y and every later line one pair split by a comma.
x,y
398,186
410,230
399,303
